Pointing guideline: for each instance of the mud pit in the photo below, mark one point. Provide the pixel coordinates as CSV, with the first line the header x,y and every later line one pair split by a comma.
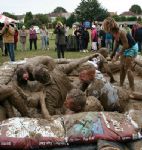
x,y
8,70
133,104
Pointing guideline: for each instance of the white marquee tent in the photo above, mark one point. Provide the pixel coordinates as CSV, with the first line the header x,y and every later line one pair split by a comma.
x,y
4,18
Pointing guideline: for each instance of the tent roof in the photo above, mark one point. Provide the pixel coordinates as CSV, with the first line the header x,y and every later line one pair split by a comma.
x,y
4,18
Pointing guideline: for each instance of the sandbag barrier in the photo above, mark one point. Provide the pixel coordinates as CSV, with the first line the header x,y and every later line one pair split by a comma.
x,y
81,128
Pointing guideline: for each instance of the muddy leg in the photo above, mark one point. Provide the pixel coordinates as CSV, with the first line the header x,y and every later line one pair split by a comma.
x,y
122,75
9,109
131,79
5,92
18,102
122,70
129,61
108,71
2,113
136,96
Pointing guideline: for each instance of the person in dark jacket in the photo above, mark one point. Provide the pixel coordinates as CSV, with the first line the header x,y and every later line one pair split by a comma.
x,y
85,38
138,37
60,40
33,37
15,38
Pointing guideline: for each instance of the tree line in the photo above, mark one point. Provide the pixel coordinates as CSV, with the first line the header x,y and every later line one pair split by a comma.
x,y
90,10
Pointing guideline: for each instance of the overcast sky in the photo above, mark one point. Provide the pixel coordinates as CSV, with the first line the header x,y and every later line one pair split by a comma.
x,y
19,7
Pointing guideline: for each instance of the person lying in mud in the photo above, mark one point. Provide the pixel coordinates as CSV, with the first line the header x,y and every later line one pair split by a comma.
x,y
56,83
31,91
9,97
76,101
112,98
34,61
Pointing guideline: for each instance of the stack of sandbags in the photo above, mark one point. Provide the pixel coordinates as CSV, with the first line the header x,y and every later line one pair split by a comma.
x,y
81,128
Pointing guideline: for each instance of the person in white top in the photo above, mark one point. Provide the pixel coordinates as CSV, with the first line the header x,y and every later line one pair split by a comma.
x,y
44,38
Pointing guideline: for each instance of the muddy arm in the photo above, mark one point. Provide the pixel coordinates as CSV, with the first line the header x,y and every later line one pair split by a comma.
x,y
136,96
44,110
68,68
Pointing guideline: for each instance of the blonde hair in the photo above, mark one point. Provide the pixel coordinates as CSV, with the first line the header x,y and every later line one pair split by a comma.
x,y
110,25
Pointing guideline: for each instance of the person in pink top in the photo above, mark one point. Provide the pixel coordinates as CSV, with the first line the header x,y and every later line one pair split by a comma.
x,y
33,37
94,38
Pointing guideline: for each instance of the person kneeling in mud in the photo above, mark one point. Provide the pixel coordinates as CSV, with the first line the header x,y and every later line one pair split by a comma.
x,y
112,98
76,101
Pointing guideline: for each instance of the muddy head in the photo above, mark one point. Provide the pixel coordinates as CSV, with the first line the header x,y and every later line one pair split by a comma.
x,y
41,74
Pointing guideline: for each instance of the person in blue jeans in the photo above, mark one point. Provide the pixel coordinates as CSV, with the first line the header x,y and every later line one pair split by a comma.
x,y
8,38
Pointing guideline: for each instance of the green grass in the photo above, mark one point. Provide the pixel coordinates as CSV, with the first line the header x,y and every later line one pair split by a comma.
x,y
20,55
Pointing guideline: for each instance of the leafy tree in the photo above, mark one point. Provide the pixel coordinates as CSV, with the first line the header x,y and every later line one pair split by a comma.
x,y
62,19
136,9
59,10
71,20
122,18
90,10
132,18
41,19
10,15
28,20
139,19
116,17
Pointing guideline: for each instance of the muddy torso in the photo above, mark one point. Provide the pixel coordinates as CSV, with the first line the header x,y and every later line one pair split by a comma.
x,y
104,91
56,91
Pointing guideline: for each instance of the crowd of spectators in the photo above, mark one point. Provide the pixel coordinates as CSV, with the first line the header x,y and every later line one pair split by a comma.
x,y
78,41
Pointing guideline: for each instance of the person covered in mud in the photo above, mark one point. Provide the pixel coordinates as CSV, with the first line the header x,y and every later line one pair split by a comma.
x,y
112,98
9,97
56,83
127,52
34,61
102,63
32,92
75,101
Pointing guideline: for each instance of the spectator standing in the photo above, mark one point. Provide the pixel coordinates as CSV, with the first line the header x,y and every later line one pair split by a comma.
x,y
33,37
94,38
15,37
23,37
127,29
102,36
60,39
108,41
1,40
44,37
78,33
134,28
138,37
8,38
66,32
85,38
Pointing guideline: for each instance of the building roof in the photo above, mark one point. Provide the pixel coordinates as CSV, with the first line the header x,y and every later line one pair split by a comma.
x,y
128,13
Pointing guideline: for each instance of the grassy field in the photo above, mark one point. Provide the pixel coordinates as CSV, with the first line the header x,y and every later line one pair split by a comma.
x,y
20,55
